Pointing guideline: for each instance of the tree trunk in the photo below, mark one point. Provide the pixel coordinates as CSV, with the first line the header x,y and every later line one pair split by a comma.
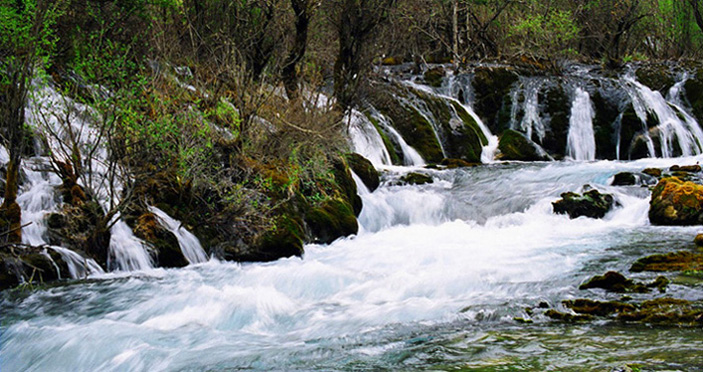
x,y
302,21
697,13
455,32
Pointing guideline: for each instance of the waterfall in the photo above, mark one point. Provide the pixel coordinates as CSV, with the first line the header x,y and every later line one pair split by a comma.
x,y
531,121
687,134
78,266
459,91
189,243
410,156
674,98
413,102
581,142
366,140
127,252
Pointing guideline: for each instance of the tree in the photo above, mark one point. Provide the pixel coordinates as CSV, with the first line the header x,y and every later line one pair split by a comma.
x,y
25,38
303,10
355,22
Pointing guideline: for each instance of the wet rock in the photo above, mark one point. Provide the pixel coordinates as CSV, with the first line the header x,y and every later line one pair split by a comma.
x,y
363,168
346,184
657,77
614,282
591,204
566,317
693,91
633,179
414,179
666,311
698,240
654,172
673,261
433,77
492,87
330,221
675,202
283,239
686,168
163,242
30,265
597,308
457,163
514,145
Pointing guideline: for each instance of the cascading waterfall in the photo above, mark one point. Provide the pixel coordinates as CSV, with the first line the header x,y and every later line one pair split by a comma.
x,y
670,127
531,121
410,156
581,142
189,243
414,103
366,140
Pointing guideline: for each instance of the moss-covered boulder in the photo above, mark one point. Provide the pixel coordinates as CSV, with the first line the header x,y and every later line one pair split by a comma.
x,y
695,168
363,168
666,311
656,76
615,282
675,202
283,239
591,204
654,172
514,145
331,220
414,178
164,243
346,184
492,87
673,261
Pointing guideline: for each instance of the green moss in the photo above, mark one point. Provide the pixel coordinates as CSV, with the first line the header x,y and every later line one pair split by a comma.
x,y
364,169
673,261
591,204
284,239
514,145
331,220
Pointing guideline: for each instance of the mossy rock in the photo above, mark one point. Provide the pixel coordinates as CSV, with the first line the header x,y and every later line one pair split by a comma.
x,y
163,242
615,282
686,168
654,172
414,179
673,261
698,240
606,102
363,168
330,221
466,141
566,317
693,91
492,87
656,77
557,107
30,265
284,239
514,145
451,163
597,308
434,76
591,204
666,311
415,129
347,186
675,202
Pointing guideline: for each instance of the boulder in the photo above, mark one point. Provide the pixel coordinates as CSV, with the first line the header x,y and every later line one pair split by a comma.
x,y
675,202
514,145
591,204
363,168
673,261
414,179
633,179
331,220
615,282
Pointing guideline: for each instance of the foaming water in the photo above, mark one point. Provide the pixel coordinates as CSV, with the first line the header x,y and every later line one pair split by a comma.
x,y
463,255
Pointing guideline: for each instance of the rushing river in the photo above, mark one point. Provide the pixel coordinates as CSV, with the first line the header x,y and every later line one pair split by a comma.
x,y
432,282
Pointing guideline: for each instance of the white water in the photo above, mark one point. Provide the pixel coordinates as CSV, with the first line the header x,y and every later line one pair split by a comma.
x,y
78,266
531,121
366,140
190,245
469,251
581,141
687,134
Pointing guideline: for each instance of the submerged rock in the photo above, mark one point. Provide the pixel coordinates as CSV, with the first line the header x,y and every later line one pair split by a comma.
x,y
591,204
675,202
514,145
674,261
414,179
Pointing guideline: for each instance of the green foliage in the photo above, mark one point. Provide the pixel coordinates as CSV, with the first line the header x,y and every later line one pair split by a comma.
x,y
548,36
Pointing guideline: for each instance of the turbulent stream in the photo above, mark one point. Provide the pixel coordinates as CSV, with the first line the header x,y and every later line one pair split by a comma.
x,y
432,282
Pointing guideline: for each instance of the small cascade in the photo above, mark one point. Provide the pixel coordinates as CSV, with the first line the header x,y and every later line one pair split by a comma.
x,y
671,127
581,141
674,98
127,252
37,198
189,243
617,126
78,266
366,140
415,103
410,156
531,121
